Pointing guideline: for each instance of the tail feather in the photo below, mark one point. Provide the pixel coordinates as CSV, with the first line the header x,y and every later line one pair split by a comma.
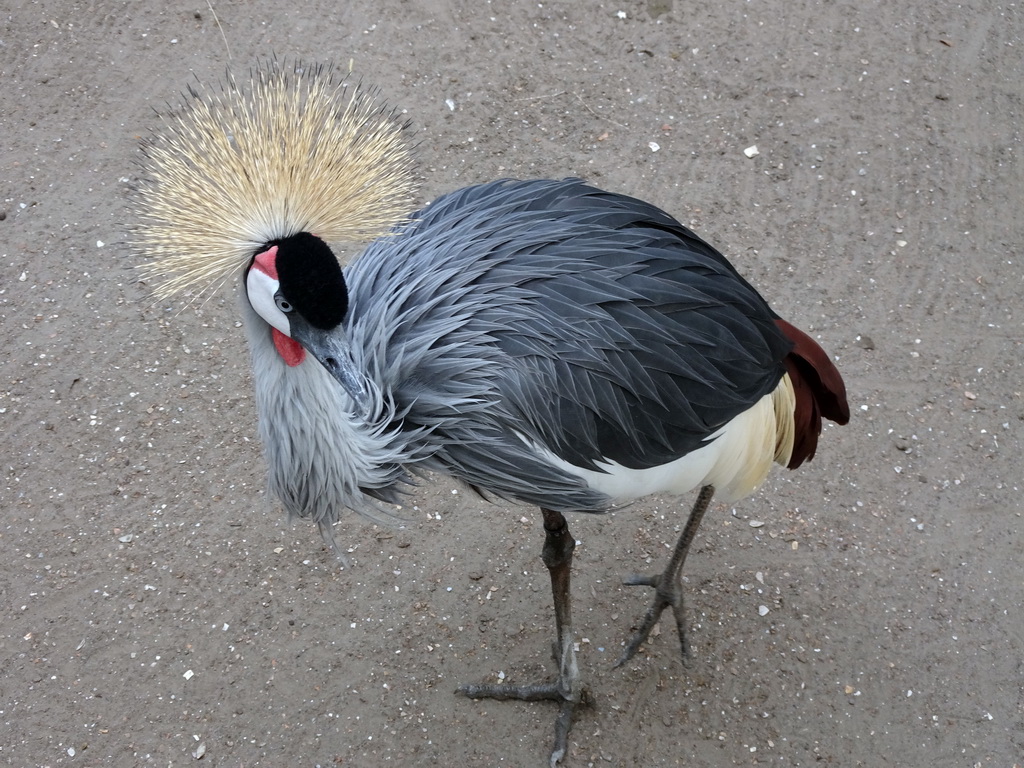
x,y
819,392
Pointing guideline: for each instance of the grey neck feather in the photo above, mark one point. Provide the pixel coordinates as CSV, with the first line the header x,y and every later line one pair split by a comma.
x,y
321,457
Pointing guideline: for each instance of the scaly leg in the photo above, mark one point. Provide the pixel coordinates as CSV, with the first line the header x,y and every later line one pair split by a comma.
x,y
668,587
567,688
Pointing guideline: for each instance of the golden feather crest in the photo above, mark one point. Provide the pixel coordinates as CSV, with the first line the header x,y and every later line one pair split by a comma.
x,y
296,149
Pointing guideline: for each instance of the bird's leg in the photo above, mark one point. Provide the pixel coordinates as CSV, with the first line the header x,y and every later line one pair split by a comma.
x,y
567,689
668,587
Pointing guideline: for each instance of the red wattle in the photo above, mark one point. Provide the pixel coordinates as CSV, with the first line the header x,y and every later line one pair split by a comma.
x,y
288,348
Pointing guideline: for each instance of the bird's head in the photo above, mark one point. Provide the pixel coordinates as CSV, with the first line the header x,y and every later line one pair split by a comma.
x,y
297,286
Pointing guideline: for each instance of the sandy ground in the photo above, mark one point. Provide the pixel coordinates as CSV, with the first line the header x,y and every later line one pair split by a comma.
x,y
864,611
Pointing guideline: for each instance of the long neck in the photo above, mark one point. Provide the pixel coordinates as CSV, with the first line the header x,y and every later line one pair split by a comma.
x,y
322,457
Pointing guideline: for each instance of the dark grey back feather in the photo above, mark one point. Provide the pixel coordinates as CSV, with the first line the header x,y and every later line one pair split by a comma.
x,y
555,314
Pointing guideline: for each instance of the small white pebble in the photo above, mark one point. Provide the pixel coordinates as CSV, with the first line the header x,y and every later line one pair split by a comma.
x,y
655,146
188,674
100,243
752,151
762,610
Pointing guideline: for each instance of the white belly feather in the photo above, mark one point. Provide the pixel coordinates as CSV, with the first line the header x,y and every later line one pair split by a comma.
x,y
735,460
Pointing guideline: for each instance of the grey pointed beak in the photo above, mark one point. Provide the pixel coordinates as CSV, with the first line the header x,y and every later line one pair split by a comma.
x,y
332,350
338,363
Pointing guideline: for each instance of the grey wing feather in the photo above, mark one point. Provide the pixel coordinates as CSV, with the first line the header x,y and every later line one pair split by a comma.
x,y
553,313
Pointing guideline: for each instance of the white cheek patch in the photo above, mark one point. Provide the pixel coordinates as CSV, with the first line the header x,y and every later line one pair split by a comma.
x,y
260,288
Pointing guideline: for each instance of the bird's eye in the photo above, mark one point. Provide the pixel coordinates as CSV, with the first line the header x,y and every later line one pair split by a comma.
x,y
282,303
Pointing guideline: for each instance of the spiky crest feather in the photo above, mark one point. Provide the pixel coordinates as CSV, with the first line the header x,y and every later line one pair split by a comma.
x,y
296,149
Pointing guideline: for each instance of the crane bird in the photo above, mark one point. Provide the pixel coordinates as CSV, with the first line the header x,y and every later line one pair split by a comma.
x,y
542,341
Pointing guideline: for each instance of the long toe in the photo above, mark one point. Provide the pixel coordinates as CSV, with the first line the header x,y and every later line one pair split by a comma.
x,y
562,725
642,580
506,692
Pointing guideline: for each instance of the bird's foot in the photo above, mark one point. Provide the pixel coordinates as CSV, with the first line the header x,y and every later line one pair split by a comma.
x,y
667,592
567,690
541,692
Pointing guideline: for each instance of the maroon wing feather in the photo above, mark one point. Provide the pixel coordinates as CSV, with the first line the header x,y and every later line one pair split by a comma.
x,y
819,391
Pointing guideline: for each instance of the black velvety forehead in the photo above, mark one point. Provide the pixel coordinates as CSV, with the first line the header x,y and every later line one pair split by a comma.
x,y
311,280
